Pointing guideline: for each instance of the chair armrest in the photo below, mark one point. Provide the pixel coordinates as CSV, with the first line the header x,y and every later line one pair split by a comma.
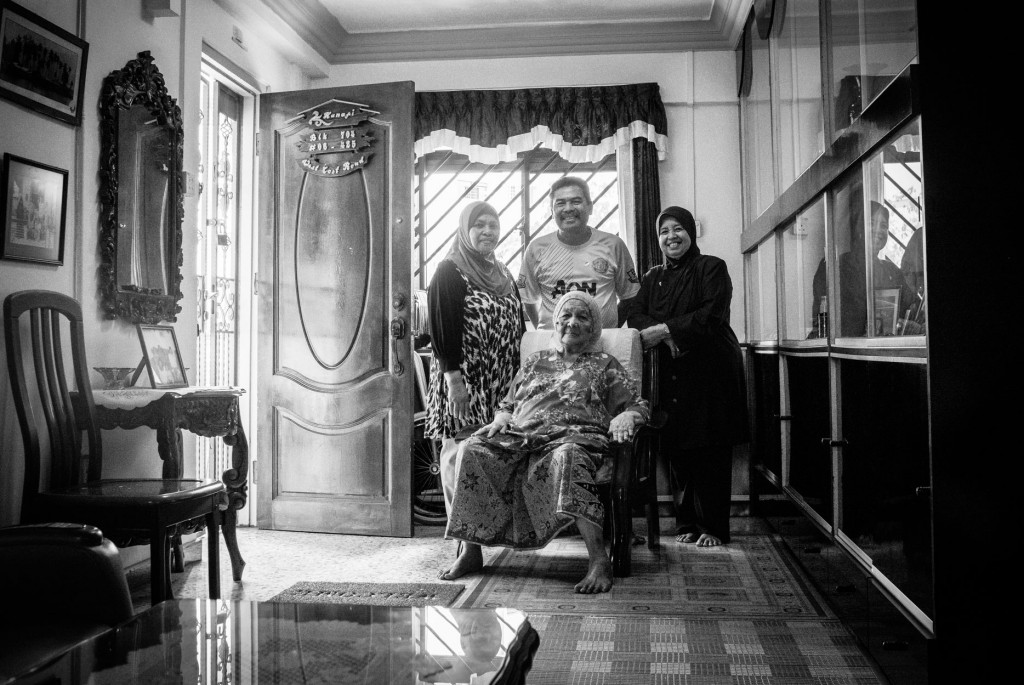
x,y
51,534
62,571
624,455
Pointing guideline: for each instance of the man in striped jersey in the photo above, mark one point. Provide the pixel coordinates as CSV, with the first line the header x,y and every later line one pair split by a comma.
x,y
577,257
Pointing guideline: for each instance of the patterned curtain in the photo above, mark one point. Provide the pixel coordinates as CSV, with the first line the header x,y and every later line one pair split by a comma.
x,y
580,124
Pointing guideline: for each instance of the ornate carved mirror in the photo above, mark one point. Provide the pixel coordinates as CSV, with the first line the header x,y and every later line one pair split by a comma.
x,y
141,195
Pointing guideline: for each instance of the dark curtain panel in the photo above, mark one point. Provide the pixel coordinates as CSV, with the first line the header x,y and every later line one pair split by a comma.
x,y
647,204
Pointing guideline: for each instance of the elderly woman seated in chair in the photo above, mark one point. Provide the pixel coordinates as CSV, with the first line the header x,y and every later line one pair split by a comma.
x,y
533,470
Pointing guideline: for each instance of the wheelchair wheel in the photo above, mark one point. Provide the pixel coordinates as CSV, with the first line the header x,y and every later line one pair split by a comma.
x,y
428,496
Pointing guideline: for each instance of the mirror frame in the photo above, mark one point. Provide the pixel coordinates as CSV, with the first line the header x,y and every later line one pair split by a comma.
x,y
139,82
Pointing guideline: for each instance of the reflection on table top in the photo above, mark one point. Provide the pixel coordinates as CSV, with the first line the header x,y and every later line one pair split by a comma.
x,y
220,641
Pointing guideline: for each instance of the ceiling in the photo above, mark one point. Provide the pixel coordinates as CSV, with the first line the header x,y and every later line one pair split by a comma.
x,y
357,31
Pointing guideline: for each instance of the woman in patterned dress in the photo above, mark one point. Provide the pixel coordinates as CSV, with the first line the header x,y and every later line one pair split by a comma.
x,y
476,324
532,471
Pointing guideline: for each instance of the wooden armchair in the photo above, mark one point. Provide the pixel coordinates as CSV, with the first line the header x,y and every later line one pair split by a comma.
x,y
633,481
56,409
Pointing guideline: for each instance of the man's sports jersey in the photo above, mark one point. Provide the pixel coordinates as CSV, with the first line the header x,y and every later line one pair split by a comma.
x,y
602,267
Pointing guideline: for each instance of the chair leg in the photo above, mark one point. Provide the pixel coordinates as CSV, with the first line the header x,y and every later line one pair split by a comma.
x,y
653,520
213,544
159,567
622,533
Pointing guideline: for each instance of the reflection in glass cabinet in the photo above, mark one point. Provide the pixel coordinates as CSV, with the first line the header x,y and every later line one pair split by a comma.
x,y
886,483
805,296
806,404
892,179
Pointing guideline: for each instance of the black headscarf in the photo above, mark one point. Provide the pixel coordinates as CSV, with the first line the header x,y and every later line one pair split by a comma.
x,y
685,220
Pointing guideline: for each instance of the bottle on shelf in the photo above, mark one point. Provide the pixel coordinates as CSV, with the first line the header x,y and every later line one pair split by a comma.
x,y
823,317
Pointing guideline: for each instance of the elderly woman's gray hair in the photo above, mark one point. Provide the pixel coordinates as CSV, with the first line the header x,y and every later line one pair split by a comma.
x,y
588,301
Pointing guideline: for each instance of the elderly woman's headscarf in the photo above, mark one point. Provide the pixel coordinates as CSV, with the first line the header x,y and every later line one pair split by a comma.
x,y
483,271
588,301
685,220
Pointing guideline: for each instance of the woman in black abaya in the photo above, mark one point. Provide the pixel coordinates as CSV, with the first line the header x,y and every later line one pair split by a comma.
x,y
683,310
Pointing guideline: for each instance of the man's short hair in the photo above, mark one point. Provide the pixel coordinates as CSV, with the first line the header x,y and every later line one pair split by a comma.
x,y
878,209
571,181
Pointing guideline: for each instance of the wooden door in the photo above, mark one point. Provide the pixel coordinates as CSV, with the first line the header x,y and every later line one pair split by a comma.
x,y
335,382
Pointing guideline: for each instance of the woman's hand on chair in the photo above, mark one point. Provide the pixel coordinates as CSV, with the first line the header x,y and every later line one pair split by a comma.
x,y
624,425
498,425
652,335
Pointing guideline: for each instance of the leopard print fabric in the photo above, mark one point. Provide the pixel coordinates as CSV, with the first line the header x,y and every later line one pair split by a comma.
x,y
491,333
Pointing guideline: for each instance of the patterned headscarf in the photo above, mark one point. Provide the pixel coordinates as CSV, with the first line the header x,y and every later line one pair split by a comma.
x,y
587,300
483,271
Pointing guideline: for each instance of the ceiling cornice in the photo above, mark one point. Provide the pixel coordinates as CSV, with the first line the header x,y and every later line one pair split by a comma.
x,y
322,31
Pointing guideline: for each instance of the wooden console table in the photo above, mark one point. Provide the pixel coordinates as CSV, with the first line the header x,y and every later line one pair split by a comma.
x,y
206,411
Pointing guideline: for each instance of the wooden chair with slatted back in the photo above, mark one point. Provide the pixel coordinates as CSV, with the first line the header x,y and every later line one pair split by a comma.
x,y
56,410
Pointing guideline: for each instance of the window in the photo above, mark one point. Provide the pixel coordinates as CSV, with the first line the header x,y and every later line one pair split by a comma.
x,y
445,182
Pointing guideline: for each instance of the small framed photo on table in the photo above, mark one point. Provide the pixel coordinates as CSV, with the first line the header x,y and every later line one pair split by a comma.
x,y
42,66
162,356
34,211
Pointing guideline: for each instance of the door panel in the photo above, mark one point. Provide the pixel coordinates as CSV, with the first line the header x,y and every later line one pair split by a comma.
x,y
335,382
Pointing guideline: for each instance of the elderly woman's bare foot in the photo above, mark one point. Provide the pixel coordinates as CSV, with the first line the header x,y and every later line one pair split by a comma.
x,y
708,540
470,560
598,578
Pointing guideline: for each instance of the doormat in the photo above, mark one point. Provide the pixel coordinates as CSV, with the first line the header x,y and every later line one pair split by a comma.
x,y
751,577
376,594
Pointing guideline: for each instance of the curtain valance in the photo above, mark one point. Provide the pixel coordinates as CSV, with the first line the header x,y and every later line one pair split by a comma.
x,y
581,124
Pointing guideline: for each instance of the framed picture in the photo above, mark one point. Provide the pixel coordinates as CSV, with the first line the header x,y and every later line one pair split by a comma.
x,y
162,356
887,302
34,211
42,66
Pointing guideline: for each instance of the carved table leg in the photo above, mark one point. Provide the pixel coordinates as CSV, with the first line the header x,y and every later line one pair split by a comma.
x,y
236,480
168,443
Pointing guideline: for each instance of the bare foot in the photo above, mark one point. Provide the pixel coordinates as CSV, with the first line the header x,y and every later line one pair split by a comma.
x,y
470,560
708,540
687,538
598,578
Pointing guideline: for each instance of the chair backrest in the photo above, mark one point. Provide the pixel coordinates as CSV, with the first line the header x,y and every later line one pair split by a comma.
x,y
622,343
41,389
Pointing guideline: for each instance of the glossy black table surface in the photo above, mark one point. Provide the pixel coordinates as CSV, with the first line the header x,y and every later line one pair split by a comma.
x,y
222,641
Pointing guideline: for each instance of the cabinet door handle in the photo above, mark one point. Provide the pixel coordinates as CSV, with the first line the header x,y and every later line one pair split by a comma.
x,y
829,442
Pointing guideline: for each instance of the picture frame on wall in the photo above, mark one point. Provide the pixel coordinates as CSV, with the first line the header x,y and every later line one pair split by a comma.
x,y
33,215
42,66
162,356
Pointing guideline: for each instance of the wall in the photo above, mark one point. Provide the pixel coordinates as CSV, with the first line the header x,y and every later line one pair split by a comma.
x,y
117,30
702,168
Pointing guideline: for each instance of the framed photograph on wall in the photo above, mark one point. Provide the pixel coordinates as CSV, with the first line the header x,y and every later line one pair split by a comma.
x,y
162,356
42,66
34,212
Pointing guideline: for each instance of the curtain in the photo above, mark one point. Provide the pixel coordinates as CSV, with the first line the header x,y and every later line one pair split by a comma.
x,y
646,204
582,124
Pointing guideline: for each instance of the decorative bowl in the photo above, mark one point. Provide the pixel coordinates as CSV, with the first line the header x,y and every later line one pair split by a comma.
x,y
115,377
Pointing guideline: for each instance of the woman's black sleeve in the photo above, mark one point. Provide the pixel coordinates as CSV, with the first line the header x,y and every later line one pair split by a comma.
x,y
445,302
635,310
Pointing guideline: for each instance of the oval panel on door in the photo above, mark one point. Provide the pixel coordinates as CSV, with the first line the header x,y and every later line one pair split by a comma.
x,y
332,236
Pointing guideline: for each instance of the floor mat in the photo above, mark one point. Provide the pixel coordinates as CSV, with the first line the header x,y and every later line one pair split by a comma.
x,y
749,577
377,594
